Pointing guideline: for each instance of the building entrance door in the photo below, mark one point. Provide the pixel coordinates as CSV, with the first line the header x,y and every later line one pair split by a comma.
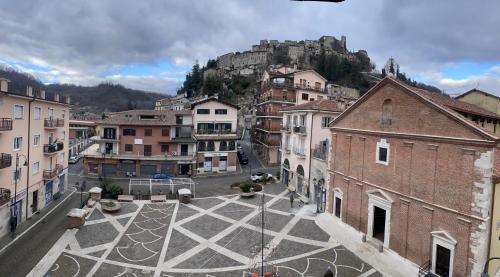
x,y
285,177
443,255
207,165
222,163
378,223
48,193
34,206
338,206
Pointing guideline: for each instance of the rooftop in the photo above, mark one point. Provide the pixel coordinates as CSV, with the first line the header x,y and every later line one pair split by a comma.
x,y
318,105
143,117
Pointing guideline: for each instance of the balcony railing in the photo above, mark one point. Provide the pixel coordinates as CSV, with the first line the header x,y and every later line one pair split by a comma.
x,y
299,152
4,196
52,148
215,132
286,128
5,124
53,122
425,270
52,173
320,153
306,87
299,129
181,154
148,153
5,160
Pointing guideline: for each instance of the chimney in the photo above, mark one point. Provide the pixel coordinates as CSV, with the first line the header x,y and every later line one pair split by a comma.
x,y
29,91
42,94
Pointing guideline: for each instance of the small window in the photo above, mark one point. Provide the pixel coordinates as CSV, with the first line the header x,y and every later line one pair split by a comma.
x,y
148,150
129,147
165,148
18,112
305,96
210,146
382,154
220,111
36,168
317,85
165,132
63,135
325,121
18,143
128,132
203,111
148,132
36,140
387,112
37,113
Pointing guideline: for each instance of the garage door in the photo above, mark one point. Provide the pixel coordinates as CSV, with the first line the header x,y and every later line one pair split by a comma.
x,y
168,168
128,168
148,170
109,170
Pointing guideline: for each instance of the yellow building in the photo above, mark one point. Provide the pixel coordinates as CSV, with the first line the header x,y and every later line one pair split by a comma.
x,y
494,265
488,102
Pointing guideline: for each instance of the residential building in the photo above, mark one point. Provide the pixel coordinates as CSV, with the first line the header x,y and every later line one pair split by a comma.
x,y
488,102
175,103
142,143
215,130
415,176
305,146
80,132
34,135
281,88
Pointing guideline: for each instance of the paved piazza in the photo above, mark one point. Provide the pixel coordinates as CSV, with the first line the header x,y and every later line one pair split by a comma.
x,y
216,236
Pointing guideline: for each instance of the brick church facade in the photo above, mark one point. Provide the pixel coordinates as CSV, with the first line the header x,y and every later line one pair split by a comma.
x,y
415,176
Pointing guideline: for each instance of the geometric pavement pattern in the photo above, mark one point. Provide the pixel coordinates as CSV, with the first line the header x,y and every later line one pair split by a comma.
x,y
215,236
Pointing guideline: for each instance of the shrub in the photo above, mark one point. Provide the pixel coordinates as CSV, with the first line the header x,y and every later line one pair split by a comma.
x,y
246,186
257,187
115,190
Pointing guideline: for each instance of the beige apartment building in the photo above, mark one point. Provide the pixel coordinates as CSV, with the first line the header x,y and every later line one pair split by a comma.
x,y
34,128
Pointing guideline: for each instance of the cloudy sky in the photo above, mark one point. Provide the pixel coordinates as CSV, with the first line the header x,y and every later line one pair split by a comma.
x,y
150,45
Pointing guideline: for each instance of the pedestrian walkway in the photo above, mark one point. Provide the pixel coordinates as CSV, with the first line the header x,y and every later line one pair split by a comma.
x,y
388,262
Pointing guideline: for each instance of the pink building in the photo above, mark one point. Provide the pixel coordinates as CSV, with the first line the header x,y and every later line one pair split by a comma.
x,y
34,131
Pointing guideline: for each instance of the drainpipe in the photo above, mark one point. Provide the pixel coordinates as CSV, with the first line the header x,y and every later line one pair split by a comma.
x,y
310,151
29,148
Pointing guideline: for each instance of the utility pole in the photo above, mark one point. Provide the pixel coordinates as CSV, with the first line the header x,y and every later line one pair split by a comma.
x,y
262,238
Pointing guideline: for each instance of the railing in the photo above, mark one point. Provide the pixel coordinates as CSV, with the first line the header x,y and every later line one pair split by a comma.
x,y
148,153
52,148
268,127
4,196
286,128
52,173
299,152
5,124
53,122
299,129
425,270
5,160
320,153
289,99
215,131
306,87
181,154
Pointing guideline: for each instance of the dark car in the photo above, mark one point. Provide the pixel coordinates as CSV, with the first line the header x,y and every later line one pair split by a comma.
x,y
243,158
160,176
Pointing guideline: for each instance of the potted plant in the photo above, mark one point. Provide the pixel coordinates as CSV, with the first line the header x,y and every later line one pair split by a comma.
x,y
247,189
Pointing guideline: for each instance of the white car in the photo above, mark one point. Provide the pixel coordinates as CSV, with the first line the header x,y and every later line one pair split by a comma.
x,y
74,159
261,176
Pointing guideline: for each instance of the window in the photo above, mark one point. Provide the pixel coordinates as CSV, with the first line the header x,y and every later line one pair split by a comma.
x,y
202,146
37,113
387,112
18,143
317,85
203,111
220,111
178,119
164,148
148,150
232,145
302,120
129,147
129,132
223,146
165,132
36,140
18,112
36,168
63,135
305,96
382,154
210,146
148,132
325,121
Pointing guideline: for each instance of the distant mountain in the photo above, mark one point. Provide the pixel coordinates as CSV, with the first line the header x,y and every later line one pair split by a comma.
x,y
105,97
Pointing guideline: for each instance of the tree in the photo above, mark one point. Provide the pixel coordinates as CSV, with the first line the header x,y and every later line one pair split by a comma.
x,y
383,73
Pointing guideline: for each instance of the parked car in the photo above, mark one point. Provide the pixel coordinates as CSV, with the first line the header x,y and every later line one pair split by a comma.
x,y
243,158
261,176
74,159
161,176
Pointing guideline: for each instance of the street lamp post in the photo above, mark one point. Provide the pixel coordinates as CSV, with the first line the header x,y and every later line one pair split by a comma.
x,y
13,210
485,270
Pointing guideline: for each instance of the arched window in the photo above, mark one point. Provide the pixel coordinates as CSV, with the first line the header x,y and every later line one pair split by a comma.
x,y
387,112
232,145
210,146
286,164
223,146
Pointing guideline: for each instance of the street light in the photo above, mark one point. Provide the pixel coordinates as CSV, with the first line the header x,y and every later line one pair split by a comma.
x,y
82,188
485,270
13,210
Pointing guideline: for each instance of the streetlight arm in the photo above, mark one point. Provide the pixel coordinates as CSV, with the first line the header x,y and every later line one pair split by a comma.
x,y
485,270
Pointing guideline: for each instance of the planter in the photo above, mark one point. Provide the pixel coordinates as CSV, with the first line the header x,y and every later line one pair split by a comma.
x,y
110,206
247,194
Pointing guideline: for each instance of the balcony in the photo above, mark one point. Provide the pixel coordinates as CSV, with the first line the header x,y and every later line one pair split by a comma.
x,y
52,123
301,153
286,128
5,160
278,98
52,173
306,87
320,153
4,196
215,132
300,130
5,124
53,148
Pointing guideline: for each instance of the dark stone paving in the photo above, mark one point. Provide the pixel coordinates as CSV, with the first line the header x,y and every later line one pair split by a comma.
x,y
256,200
208,258
107,270
126,208
306,228
288,248
282,205
206,226
184,211
70,265
96,234
206,203
179,244
96,215
244,241
123,221
275,189
272,221
234,211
